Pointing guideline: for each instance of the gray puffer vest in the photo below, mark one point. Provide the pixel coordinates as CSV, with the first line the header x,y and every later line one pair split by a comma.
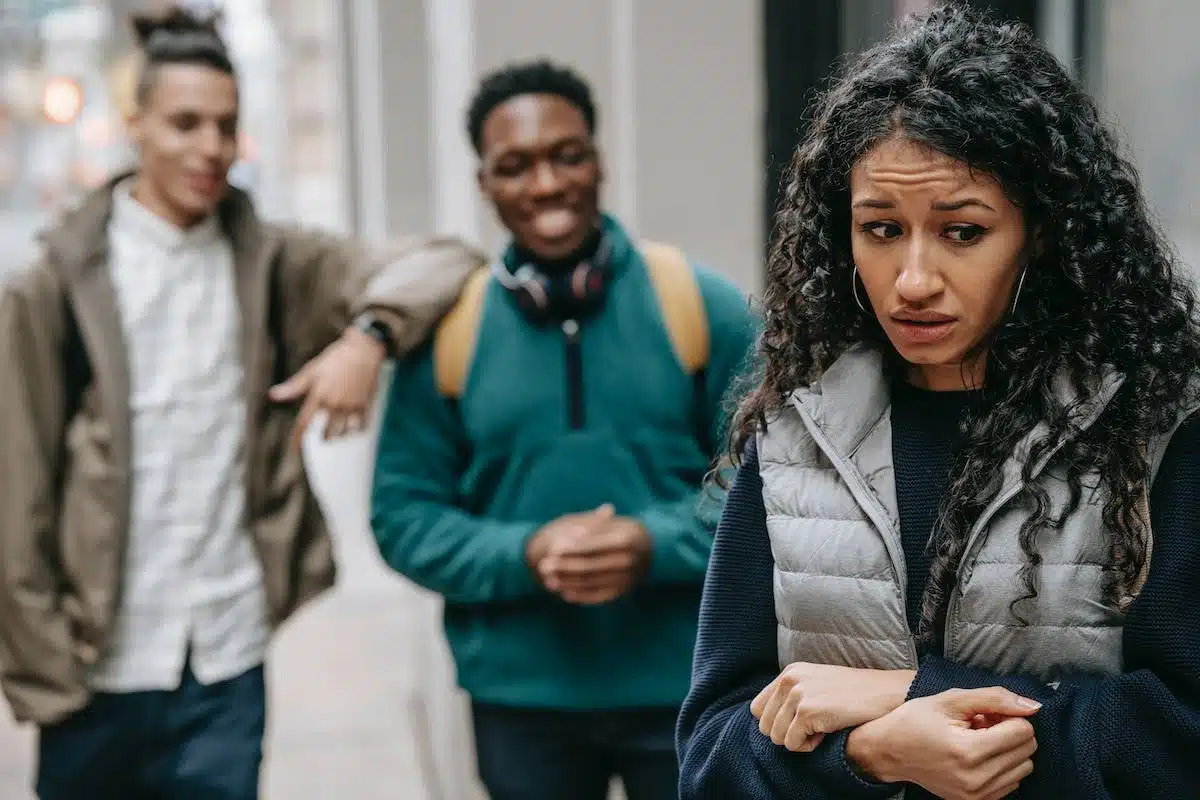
x,y
830,495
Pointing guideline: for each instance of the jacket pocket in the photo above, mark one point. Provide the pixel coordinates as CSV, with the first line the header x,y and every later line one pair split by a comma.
x,y
88,535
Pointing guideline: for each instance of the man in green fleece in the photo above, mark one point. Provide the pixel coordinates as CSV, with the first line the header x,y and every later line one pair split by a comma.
x,y
541,462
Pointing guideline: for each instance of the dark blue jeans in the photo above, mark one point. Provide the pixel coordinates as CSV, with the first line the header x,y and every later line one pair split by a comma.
x,y
572,755
195,743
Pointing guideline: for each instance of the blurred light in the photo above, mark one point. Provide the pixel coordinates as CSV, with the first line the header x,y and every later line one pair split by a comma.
x,y
62,100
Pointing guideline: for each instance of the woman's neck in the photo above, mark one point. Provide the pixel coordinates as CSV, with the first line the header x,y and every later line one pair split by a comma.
x,y
963,377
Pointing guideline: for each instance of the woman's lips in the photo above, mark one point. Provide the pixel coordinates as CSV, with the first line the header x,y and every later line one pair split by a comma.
x,y
923,332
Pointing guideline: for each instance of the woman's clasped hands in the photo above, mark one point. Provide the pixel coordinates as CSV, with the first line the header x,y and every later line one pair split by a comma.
x,y
961,744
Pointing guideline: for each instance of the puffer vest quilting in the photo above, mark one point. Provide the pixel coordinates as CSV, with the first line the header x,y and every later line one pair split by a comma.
x,y
830,496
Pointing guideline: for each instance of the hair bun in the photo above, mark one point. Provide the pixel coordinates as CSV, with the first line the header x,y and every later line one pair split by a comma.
x,y
151,28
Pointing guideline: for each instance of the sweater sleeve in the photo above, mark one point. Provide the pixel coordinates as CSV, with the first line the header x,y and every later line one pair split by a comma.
x,y
1136,734
721,750
420,526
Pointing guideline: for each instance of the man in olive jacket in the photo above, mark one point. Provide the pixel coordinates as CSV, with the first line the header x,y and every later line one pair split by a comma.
x,y
156,365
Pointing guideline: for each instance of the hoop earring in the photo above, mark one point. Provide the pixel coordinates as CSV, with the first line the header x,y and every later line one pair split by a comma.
x,y
854,289
1017,293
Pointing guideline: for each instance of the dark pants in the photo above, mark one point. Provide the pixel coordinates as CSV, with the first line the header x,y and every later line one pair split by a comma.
x,y
195,742
572,755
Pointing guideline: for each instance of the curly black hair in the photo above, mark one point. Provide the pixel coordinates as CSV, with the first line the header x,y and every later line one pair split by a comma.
x,y
1105,293
176,35
532,77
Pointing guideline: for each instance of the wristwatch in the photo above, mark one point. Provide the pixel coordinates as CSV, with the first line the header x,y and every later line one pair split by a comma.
x,y
376,328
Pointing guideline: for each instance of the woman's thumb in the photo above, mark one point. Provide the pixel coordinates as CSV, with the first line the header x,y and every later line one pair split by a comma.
x,y
992,701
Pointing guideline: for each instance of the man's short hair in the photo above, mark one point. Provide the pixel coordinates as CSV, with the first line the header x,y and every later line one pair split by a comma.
x,y
532,77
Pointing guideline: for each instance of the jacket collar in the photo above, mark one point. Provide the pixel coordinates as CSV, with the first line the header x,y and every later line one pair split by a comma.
x,y
851,397
131,216
80,239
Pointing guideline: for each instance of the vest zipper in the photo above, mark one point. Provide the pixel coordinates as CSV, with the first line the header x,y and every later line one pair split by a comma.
x,y
574,361
969,554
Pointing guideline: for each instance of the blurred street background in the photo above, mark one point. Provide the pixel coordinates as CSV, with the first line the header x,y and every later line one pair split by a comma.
x,y
353,122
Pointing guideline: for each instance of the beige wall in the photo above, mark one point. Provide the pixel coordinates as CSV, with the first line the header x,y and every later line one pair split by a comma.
x,y
1147,82
680,128
700,131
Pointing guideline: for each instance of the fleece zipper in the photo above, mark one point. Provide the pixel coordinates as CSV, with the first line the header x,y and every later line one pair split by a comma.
x,y
574,372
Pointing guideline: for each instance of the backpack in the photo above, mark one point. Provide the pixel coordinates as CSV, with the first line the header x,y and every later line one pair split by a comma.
x,y
679,299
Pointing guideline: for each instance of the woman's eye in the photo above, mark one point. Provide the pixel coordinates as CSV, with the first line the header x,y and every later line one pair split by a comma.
x,y
964,234
881,230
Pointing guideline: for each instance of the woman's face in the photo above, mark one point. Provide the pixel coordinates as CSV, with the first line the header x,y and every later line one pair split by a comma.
x,y
939,250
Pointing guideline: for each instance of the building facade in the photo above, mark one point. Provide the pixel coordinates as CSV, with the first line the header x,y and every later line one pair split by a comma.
x,y
700,109
355,107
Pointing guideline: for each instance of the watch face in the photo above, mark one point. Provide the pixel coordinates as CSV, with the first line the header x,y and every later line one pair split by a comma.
x,y
369,324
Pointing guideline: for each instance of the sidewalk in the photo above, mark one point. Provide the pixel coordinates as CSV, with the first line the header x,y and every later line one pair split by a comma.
x,y
344,692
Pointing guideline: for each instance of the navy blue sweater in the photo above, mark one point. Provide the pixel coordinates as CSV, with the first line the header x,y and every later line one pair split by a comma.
x,y
1135,735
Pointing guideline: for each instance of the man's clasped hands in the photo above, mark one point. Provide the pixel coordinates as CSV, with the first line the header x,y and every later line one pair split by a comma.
x,y
590,558
961,744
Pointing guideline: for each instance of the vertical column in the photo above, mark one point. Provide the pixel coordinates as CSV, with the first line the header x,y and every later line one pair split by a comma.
x,y
447,754
1058,21
341,104
801,44
451,34
369,147
624,111
388,66
904,7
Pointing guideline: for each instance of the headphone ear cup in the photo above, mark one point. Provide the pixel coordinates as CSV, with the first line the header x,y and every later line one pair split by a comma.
x,y
533,296
542,298
587,288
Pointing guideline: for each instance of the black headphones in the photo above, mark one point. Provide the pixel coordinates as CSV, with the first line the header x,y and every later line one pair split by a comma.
x,y
576,294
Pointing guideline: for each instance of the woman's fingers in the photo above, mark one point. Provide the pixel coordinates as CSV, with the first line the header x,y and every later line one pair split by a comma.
x,y
771,710
759,704
799,740
1008,782
785,716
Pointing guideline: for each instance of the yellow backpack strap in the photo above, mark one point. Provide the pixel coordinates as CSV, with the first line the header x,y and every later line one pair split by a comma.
x,y
454,342
681,302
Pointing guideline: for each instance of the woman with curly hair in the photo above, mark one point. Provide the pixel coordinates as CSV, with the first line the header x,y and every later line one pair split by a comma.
x,y
963,521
